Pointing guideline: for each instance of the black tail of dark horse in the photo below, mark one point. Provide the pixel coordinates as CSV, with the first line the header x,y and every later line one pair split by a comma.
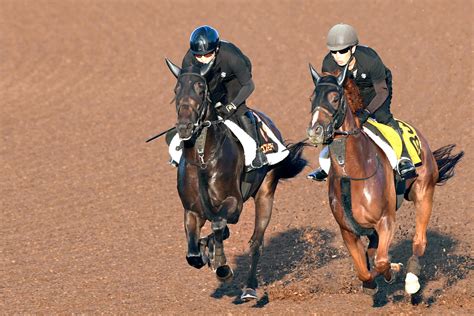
x,y
446,162
293,164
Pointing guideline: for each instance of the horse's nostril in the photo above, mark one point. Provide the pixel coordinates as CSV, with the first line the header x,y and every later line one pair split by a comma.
x,y
318,130
189,125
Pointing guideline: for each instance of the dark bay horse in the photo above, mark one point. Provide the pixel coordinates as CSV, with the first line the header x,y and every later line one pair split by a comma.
x,y
211,177
362,186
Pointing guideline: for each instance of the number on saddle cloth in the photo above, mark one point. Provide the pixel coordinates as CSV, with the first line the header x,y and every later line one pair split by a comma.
x,y
384,135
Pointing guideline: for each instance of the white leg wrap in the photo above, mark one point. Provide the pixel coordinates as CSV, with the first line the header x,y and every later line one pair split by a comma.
x,y
412,285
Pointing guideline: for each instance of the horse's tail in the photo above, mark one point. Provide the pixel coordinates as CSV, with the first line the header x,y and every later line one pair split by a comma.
x,y
293,164
446,162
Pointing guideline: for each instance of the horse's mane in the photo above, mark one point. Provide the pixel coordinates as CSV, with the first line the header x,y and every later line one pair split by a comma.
x,y
352,93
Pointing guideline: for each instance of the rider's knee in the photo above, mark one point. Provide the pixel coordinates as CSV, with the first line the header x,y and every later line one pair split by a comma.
x,y
383,114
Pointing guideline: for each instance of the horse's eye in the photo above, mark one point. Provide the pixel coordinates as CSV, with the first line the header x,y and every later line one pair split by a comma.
x,y
334,98
199,87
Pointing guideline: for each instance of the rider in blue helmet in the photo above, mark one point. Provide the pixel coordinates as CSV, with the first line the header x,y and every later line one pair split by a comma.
x,y
374,81
229,80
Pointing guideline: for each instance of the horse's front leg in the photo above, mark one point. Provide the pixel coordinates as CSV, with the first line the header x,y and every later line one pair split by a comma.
x,y
192,225
385,229
358,253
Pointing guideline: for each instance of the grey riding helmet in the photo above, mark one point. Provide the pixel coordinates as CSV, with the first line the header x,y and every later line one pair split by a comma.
x,y
341,36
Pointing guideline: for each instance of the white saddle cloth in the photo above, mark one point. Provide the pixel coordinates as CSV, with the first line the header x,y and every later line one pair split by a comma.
x,y
248,144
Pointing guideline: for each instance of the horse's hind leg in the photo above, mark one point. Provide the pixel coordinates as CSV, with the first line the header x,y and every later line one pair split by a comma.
x,y
358,253
423,200
219,227
371,249
192,225
263,212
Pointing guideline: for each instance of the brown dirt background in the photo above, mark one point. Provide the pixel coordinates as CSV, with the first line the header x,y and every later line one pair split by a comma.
x,y
90,218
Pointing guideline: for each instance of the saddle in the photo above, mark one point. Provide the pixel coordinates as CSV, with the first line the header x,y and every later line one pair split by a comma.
x,y
271,146
389,140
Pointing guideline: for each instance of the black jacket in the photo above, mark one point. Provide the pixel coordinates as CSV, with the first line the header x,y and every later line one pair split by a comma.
x,y
372,77
230,78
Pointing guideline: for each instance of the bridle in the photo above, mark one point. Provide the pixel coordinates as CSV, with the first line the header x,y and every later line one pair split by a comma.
x,y
201,111
338,114
337,119
200,127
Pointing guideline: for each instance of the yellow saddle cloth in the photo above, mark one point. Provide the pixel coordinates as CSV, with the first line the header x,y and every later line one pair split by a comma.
x,y
391,137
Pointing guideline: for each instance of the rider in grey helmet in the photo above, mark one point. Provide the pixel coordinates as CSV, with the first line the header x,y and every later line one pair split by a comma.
x,y
374,81
229,80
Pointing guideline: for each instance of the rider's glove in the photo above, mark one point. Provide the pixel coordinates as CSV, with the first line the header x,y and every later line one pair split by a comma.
x,y
227,111
363,115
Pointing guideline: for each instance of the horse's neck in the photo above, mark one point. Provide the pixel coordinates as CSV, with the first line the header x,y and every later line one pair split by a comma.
x,y
213,134
359,150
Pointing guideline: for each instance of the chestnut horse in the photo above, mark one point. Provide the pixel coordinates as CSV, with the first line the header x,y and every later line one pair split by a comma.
x,y
361,182
211,176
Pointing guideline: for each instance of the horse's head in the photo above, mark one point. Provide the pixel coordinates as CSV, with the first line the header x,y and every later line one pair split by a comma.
x,y
192,98
328,106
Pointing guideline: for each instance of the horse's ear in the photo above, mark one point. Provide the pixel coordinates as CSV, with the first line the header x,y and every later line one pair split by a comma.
x,y
174,69
314,74
342,76
206,67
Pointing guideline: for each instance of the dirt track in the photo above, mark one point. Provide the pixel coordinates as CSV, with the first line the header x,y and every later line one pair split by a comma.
x,y
90,217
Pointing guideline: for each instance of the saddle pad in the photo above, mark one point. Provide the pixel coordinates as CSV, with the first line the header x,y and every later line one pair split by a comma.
x,y
391,138
250,146
248,143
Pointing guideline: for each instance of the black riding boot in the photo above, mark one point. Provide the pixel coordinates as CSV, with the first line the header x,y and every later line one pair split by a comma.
x,y
248,123
318,175
405,167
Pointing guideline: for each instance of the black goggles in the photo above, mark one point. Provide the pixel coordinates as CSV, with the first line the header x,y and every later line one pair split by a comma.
x,y
342,51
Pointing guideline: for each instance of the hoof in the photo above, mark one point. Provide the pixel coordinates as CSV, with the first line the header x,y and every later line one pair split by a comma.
x,y
248,294
395,269
196,261
224,273
412,285
370,289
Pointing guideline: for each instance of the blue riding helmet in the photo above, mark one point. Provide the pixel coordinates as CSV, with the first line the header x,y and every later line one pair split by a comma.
x,y
203,40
